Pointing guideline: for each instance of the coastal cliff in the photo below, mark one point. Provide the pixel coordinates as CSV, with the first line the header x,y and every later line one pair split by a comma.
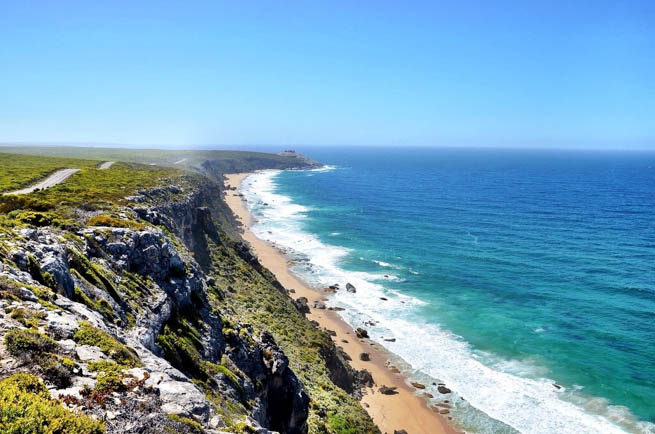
x,y
130,304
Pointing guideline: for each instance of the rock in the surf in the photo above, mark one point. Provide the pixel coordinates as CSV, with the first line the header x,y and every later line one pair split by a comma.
x,y
443,389
361,333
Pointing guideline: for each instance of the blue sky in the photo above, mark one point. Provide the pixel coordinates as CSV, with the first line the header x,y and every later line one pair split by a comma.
x,y
473,73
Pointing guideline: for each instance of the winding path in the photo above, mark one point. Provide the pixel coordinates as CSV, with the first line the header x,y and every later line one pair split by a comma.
x,y
106,165
54,179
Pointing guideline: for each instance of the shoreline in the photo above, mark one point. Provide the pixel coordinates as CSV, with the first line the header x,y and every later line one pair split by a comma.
x,y
404,410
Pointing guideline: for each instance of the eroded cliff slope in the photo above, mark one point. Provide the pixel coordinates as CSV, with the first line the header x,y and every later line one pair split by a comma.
x,y
129,304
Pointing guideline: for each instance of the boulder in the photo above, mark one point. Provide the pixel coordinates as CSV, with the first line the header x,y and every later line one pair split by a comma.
x,y
443,389
26,294
20,259
386,390
364,378
418,385
89,353
350,287
183,398
58,269
301,305
366,357
361,333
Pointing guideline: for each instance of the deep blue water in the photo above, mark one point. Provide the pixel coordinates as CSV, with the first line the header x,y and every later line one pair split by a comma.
x,y
506,271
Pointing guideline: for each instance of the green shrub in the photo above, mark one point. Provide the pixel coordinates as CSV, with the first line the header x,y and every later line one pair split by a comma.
x,y
26,407
105,366
12,203
195,426
57,370
89,335
26,342
103,220
101,305
340,425
242,428
28,317
110,382
26,383
40,218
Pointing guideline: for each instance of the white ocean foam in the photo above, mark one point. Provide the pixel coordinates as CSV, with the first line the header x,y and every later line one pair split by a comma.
x,y
514,392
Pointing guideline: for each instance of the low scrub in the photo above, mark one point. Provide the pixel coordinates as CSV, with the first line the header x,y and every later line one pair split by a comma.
x,y
21,342
90,335
104,220
26,407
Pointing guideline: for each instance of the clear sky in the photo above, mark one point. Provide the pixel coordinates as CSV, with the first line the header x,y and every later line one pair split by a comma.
x,y
524,73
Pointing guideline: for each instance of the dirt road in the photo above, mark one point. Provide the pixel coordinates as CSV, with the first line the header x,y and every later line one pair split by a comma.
x,y
54,179
106,165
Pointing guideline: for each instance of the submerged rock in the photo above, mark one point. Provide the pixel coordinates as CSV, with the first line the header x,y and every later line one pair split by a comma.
x,y
350,287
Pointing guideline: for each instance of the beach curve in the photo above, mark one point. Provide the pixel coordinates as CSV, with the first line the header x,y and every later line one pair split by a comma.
x,y
404,410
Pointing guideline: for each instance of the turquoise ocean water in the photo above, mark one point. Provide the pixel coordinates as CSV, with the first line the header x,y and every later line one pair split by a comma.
x,y
524,280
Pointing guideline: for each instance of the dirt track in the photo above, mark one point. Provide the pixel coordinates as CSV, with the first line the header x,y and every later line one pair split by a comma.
x,y
54,179
106,165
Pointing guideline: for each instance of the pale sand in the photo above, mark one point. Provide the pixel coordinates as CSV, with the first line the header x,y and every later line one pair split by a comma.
x,y
390,412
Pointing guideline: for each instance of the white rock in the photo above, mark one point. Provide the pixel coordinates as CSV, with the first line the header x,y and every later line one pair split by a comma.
x,y
67,345
137,373
89,353
183,398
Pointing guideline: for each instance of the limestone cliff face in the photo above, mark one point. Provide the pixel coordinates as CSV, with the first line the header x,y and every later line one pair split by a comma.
x,y
141,289
159,319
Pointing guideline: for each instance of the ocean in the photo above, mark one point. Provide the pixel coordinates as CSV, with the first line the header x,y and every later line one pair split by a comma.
x,y
522,279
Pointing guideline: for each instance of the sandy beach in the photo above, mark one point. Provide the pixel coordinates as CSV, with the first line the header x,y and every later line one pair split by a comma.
x,y
404,410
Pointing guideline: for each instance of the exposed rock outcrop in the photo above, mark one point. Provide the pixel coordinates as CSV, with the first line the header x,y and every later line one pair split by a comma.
x,y
136,321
